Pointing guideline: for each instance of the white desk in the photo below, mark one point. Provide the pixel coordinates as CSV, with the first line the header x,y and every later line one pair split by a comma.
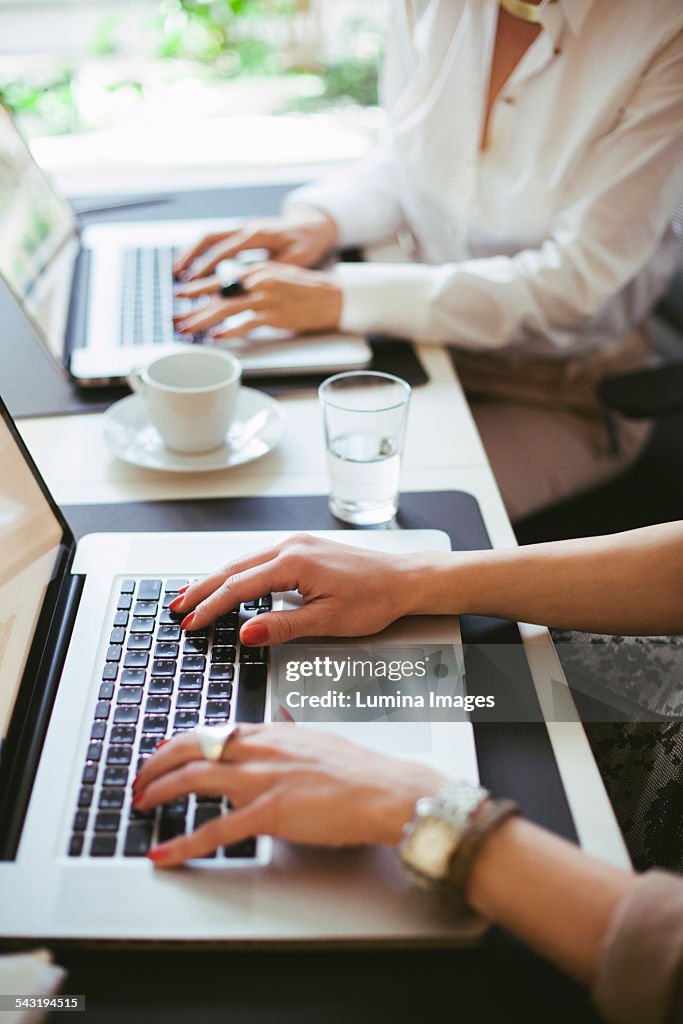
x,y
443,451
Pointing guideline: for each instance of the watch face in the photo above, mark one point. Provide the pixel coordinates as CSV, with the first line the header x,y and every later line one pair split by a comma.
x,y
429,848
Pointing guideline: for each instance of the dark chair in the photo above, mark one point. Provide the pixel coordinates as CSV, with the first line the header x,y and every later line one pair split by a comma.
x,y
649,492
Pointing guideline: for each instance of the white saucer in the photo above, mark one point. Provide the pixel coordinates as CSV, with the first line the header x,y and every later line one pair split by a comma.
x,y
131,436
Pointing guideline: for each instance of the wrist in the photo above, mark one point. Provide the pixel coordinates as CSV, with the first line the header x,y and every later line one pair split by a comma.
x,y
438,584
310,217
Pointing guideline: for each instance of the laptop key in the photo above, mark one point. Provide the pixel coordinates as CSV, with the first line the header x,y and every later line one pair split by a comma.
x,y
124,603
136,659
223,655
99,730
149,590
80,821
204,813
158,705
120,755
250,606
254,654
178,806
121,618
129,695
188,699
148,743
219,691
170,826
145,608
89,776
94,751
128,587
185,719
117,635
111,799
222,672
169,618
163,668
138,839
193,663
251,693
103,845
114,652
245,848
106,691
190,681
76,845
85,796
142,624
107,821
174,585
168,633
123,734
229,619
221,637
167,650
139,642
126,714
160,685
102,709
217,709
115,776
132,677
155,723
195,645
110,671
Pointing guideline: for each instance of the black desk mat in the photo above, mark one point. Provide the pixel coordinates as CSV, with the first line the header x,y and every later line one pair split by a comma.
x,y
33,384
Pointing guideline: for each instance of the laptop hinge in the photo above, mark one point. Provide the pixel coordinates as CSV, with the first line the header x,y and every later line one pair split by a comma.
x,y
77,317
23,748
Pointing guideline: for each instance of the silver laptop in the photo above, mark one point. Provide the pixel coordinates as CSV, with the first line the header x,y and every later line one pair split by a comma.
x,y
94,673
102,299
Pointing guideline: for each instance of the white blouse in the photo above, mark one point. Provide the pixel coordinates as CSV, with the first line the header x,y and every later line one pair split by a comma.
x,y
556,239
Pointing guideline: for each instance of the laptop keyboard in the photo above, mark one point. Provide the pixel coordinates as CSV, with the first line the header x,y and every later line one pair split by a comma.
x,y
156,682
148,302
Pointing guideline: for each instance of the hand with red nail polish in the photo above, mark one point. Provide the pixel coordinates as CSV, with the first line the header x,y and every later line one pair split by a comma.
x,y
345,591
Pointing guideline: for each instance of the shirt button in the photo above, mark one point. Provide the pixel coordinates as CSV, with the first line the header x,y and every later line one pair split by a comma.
x,y
509,99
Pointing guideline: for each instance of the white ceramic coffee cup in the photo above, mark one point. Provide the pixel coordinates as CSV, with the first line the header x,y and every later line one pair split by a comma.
x,y
191,396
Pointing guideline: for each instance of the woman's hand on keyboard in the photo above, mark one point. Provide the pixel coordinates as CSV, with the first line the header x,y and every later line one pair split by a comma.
x,y
346,591
302,237
296,784
277,295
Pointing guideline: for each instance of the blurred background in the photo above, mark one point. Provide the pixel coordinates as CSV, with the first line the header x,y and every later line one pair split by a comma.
x,y
115,95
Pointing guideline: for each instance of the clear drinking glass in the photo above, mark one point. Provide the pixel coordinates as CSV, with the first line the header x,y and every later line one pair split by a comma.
x,y
365,416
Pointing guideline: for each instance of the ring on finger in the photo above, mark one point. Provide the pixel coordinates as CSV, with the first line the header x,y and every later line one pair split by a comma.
x,y
213,739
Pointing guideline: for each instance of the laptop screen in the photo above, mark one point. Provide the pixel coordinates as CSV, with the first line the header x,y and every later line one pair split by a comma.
x,y
30,539
38,237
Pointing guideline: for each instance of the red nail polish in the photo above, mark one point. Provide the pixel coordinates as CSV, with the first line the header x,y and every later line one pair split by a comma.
x,y
161,743
187,621
138,797
181,590
157,854
254,633
175,602
135,781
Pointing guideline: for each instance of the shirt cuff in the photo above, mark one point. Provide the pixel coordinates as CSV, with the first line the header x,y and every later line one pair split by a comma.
x,y
385,298
639,979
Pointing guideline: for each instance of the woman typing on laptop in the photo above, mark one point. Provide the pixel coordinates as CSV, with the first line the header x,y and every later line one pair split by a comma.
x,y
531,183
616,932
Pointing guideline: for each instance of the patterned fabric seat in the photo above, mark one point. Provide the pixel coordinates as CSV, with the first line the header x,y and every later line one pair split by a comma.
x,y
629,693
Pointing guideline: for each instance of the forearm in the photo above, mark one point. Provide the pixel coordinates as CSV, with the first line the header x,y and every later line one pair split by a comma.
x,y
547,892
625,583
